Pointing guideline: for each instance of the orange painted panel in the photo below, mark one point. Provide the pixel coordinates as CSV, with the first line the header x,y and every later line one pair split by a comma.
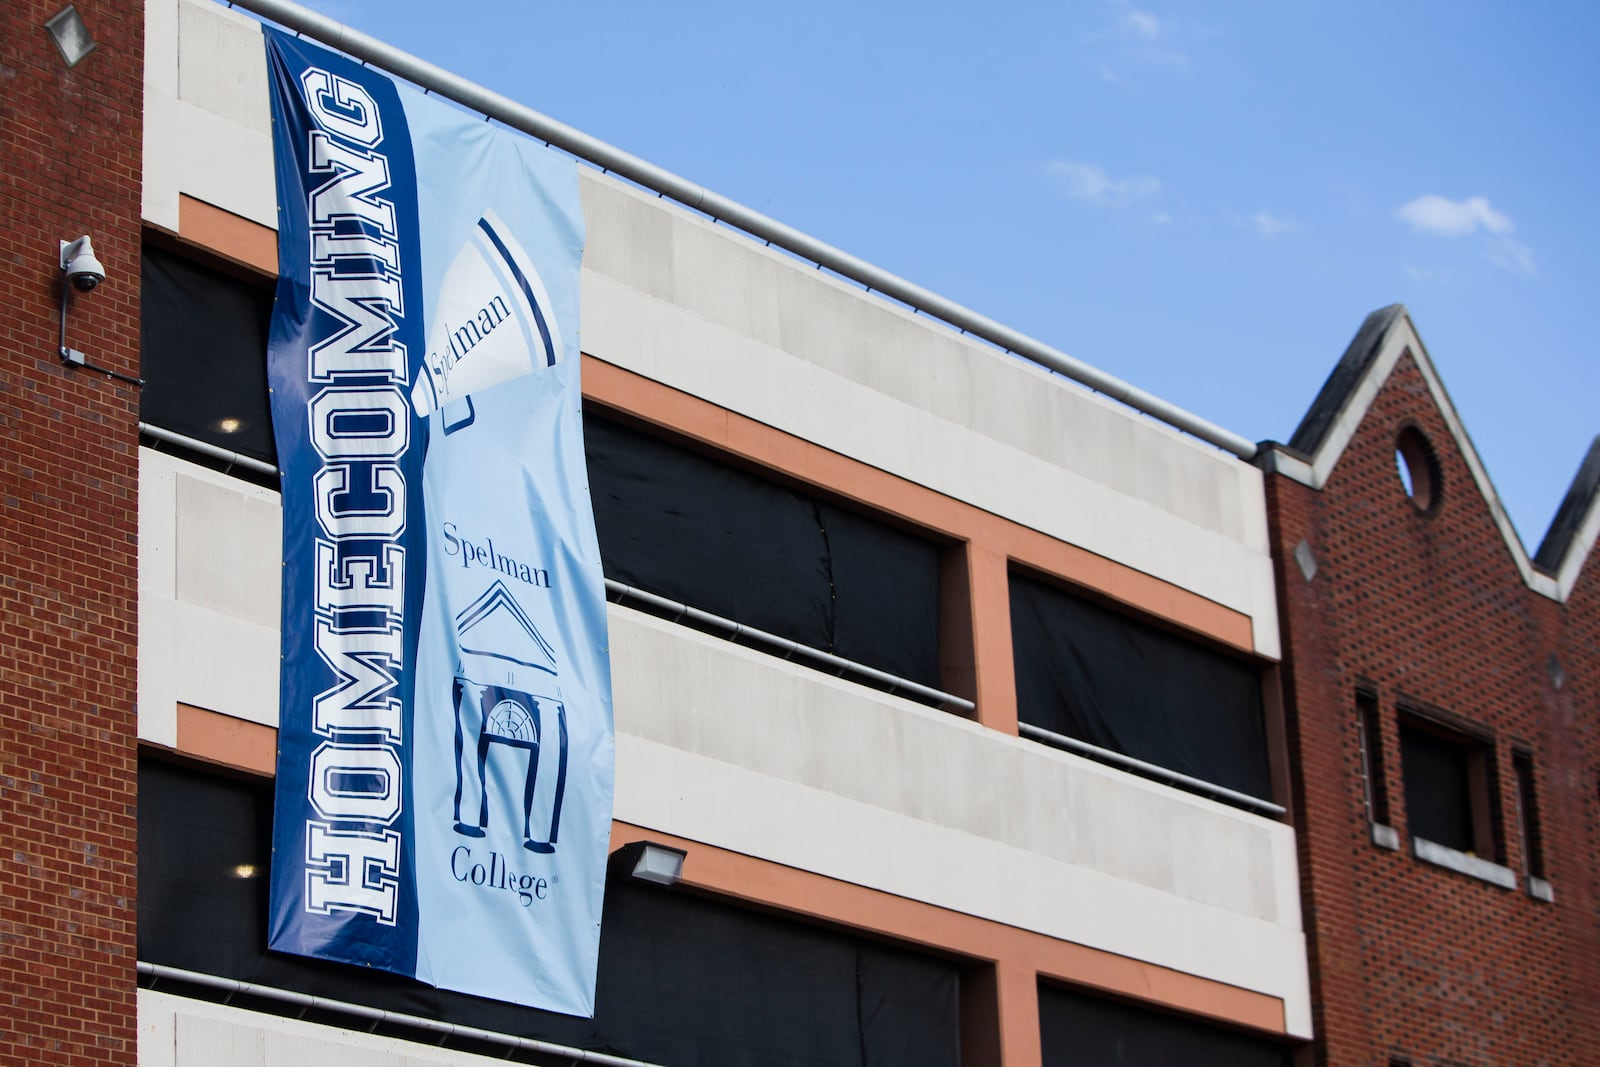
x,y
218,738
230,236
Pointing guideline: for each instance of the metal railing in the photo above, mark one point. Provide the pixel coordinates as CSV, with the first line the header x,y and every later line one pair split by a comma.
x,y
233,459
1152,770
781,646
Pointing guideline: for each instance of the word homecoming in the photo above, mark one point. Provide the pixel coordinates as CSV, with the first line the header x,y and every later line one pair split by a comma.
x,y
360,428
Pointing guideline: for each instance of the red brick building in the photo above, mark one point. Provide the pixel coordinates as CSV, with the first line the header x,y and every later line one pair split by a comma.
x,y
1439,684
1442,696
70,164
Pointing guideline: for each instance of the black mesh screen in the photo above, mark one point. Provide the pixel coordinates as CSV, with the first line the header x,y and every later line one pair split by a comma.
x,y
1094,674
683,980
1085,1031
684,526
203,354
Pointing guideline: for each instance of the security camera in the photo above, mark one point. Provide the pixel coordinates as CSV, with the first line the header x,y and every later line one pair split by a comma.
x,y
83,270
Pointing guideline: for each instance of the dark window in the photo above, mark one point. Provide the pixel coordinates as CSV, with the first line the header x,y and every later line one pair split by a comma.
x,y
203,354
683,979
1369,731
1528,822
1076,1030
1100,676
1449,796
683,525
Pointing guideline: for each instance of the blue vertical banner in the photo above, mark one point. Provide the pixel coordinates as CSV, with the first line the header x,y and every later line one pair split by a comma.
x,y
443,804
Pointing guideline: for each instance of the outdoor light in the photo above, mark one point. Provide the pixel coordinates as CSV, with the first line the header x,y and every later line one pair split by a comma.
x,y
649,862
71,36
81,271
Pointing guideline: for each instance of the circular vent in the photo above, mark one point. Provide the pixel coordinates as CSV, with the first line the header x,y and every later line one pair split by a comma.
x,y
1419,468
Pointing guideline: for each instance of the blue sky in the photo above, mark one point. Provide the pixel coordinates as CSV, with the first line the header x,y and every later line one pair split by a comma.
x,y
1203,199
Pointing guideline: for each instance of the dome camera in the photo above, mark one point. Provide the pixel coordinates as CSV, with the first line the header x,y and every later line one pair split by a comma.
x,y
83,270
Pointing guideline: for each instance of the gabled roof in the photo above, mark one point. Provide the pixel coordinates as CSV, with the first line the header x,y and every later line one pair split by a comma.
x,y
1342,405
1346,376
1576,519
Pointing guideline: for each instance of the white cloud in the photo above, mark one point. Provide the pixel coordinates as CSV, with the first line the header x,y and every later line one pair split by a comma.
x,y
1143,25
1111,77
1428,277
1513,256
1161,218
1091,184
1270,225
1440,217
1134,40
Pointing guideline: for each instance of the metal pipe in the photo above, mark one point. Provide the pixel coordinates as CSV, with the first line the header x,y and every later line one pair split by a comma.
x,y
520,117
207,449
160,971
736,631
71,357
1117,759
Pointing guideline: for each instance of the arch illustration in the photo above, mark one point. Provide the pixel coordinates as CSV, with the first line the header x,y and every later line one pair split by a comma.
x,y
503,697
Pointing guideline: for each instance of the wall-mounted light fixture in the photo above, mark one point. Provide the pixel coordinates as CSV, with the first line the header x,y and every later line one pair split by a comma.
x,y
649,862
70,35
82,271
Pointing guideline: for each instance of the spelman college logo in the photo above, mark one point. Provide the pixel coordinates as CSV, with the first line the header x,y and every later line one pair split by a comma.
x,y
486,331
445,748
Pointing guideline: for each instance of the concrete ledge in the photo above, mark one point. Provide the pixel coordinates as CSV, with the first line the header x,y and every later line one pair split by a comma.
x,y
1461,863
1385,837
1539,889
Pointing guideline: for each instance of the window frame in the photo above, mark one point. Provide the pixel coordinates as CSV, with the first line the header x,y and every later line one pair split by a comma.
x,y
1486,857
1530,823
1369,740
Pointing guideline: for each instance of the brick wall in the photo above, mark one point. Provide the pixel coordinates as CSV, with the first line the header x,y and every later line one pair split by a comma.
x,y
70,164
1410,959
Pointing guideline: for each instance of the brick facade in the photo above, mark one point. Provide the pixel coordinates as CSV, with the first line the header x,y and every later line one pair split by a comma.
x,y
1412,962
70,164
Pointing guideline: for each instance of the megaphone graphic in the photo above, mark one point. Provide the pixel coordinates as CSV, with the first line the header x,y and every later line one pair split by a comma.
x,y
492,321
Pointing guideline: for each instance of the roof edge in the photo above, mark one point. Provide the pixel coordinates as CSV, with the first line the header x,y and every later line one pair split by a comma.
x,y
1342,381
1342,405
1580,501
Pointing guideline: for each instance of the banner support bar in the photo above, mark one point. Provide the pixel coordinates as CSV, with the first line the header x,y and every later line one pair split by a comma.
x,y
607,157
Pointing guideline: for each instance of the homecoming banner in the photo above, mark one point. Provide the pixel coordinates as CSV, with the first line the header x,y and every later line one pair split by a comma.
x,y
445,748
